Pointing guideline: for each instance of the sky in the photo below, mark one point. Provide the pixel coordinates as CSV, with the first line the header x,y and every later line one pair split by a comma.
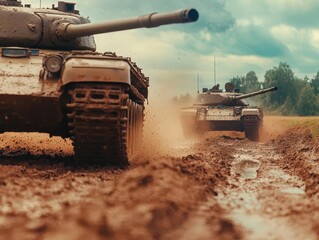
x,y
242,36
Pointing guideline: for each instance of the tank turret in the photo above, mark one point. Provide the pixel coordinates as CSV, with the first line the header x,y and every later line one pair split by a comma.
x,y
230,97
53,29
10,3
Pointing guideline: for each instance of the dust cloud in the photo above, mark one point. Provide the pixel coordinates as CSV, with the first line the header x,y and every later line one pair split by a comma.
x,y
163,133
274,126
162,129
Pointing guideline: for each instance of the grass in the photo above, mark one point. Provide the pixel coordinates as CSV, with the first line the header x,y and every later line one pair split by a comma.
x,y
311,123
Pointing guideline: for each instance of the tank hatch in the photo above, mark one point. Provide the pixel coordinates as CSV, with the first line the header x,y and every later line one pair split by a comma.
x,y
13,3
68,7
64,30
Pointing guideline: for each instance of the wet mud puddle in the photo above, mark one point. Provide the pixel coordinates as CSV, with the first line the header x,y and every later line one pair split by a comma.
x,y
263,199
245,167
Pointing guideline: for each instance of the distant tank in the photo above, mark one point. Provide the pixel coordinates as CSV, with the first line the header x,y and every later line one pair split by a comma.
x,y
215,110
53,81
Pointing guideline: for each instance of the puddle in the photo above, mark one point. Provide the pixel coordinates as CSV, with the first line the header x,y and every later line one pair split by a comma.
x,y
263,227
246,168
293,190
266,206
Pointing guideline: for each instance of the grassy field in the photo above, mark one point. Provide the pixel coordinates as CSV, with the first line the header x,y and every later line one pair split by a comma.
x,y
279,124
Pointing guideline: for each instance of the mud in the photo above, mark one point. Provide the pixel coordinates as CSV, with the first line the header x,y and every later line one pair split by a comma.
x,y
219,186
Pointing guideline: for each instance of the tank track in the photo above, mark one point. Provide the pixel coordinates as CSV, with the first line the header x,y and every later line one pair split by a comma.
x,y
102,123
251,127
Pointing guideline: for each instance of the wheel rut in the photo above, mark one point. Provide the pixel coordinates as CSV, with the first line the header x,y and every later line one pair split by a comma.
x,y
263,199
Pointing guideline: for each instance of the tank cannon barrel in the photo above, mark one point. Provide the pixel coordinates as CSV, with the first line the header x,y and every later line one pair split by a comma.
x,y
254,93
67,31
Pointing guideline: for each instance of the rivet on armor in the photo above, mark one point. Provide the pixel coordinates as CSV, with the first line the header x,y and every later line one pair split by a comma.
x,y
32,27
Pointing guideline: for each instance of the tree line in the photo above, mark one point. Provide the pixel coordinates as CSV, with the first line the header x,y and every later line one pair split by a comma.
x,y
295,96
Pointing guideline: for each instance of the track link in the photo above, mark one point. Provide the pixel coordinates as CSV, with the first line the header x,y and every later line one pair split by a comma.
x,y
251,127
97,120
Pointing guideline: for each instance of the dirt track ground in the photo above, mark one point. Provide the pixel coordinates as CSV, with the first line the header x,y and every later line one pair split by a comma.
x,y
218,187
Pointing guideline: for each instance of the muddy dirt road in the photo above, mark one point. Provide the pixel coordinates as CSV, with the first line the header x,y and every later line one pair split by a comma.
x,y
216,187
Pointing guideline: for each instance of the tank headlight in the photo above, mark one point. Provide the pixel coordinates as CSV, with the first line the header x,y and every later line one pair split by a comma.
x,y
237,111
202,110
54,64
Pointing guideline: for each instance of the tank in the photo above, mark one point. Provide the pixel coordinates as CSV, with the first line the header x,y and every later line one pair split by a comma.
x,y
215,110
53,81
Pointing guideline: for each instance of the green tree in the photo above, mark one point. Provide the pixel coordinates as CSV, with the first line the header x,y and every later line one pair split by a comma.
x,y
246,84
288,85
288,107
315,83
307,104
237,81
250,82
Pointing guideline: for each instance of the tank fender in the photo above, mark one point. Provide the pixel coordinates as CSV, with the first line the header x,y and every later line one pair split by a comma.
x,y
250,112
78,70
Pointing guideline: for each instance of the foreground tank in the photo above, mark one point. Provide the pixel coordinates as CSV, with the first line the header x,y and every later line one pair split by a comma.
x,y
215,110
53,81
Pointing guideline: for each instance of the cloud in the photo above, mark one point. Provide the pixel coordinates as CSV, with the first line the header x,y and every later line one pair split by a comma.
x,y
255,40
297,13
303,44
213,14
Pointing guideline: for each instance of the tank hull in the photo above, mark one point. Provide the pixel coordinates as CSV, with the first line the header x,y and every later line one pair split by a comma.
x,y
27,113
223,125
197,120
97,100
